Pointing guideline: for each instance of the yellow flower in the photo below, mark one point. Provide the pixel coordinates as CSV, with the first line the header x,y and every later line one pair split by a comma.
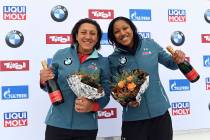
x,y
121,84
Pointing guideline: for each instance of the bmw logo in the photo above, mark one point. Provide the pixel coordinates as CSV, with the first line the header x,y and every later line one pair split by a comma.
x,y
207,15
177,38
67,61
14,39
123,60
59,13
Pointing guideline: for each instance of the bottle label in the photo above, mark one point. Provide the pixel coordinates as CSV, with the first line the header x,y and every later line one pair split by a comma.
x,y
192,75
55,96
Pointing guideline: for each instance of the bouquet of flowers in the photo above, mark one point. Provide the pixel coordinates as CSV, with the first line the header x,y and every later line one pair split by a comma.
x,y
129,86
86,85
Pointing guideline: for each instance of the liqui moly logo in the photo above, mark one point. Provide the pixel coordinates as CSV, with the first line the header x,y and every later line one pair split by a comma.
x,y
104,39
176,15
58,39
15,119
14,12
205,38
145,34
14,65
100,14
107,113
207,83
180,108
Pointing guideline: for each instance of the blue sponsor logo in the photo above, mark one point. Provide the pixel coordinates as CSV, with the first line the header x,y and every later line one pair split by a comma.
x,y
14,92
49,61
145,34
179,85
104,39
140,14
206,61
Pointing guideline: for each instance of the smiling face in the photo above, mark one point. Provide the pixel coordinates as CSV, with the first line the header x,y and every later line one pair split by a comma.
x,y
123,33
87,38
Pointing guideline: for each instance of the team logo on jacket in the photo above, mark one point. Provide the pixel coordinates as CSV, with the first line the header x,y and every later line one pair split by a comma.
x,y
93,66
123,60
68,61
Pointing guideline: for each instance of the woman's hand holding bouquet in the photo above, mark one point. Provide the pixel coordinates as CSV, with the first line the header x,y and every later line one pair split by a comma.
x,y
129,87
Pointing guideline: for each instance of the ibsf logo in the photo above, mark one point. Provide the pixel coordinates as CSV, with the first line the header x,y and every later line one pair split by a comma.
x,y
140,14
14,12
59,13
15,119
14,65
145,34
177,38
14,92
107,113
205,38
100,14
179,85
207,83
14,39
206,60
176,15
180,108
58,39
207,15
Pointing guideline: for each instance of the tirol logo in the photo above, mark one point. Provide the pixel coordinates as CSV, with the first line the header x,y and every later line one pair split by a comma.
x,y
101,14
107,113
179,85
205,38
14,12
145,34
14,65
14,92
180,108
58,39
104,39
59,13
207,15
15,119
140,14
208,83
206,60
176,15
14,39
177,38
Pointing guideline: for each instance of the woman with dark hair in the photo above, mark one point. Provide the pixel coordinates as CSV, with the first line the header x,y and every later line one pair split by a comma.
x,y
150,120
76,119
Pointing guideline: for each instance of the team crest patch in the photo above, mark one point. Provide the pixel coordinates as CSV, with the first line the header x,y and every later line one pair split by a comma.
x,y
93,66
68,61
123,60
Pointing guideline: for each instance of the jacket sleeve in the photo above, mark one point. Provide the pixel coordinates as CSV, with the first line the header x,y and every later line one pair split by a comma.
x,y
105,81
165,58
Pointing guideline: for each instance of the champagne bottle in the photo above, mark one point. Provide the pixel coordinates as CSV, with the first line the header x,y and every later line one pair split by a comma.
x,y
54,92
186,68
